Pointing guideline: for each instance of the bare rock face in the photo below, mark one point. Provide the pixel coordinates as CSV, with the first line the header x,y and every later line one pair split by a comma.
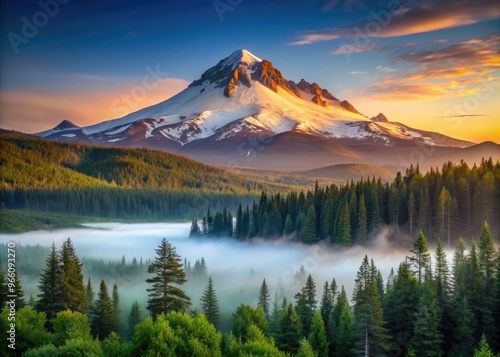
x,y
294,88
380,118
269,76
348,106
319,94
240,75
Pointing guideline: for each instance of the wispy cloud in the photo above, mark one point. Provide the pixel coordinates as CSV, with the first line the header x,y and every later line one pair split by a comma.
x,y
385,69
357,72
425,16
461,116
463,68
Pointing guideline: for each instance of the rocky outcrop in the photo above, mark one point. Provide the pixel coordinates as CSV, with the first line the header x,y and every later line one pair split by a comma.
x,y
269,76
240,75
348,106
319,94
380,118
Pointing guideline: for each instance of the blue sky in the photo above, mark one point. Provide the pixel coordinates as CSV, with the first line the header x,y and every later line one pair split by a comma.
x,y
431,64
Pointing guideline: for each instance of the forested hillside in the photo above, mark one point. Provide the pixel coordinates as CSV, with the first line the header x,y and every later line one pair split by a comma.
x,y
114,183
446,204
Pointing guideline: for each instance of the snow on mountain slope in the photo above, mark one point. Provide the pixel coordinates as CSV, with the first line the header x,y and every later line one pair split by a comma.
x,y
243,93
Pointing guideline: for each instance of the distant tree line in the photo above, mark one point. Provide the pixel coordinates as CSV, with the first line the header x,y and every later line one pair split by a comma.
x,y
121,203
445,204
427,307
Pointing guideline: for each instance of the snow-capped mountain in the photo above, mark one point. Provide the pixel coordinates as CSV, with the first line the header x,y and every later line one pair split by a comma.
x,y
244,108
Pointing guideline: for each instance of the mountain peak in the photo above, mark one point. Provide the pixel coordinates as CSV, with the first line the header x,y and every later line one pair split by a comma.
x,y
240,57
380,118
66,124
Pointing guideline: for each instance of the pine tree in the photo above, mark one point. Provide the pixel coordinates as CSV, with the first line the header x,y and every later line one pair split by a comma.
x,y
428,339
334,320
89,297
70,287
420,256
309,233
372,338
487,260
290,330
103,322
164,295
289,226
412,213
400,302
47,299
344,238
264,298
210,303
317,336
484,349
306,304
496,304
134,318
362,227
345,334
115,298
463,341
326,307
441,275
195,229
305,349
275,316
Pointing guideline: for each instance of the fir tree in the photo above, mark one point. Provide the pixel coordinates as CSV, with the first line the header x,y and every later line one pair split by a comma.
x,y
115,298
362,227
103,322
290,330
326,307
89,297
317,336
428,339
210,303
195,229
344,238
134,318
487,260
372,338
165,295
47,299
306,304
309,233
345,334
420,256
70,287
264,298
289,226
483,349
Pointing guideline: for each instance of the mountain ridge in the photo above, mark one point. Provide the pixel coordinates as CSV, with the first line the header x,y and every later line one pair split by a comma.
x,y
240,109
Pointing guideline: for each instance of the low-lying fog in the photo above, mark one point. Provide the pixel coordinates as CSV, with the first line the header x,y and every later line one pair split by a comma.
x,y
236,267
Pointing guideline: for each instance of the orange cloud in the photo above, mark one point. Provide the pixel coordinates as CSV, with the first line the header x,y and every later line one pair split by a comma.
x,y
35,111
396,20
461,69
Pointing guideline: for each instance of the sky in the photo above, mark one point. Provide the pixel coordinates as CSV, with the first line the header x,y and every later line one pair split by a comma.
x,y
433,64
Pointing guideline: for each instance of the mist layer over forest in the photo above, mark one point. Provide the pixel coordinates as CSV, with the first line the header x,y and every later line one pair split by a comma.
x,y
236,267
